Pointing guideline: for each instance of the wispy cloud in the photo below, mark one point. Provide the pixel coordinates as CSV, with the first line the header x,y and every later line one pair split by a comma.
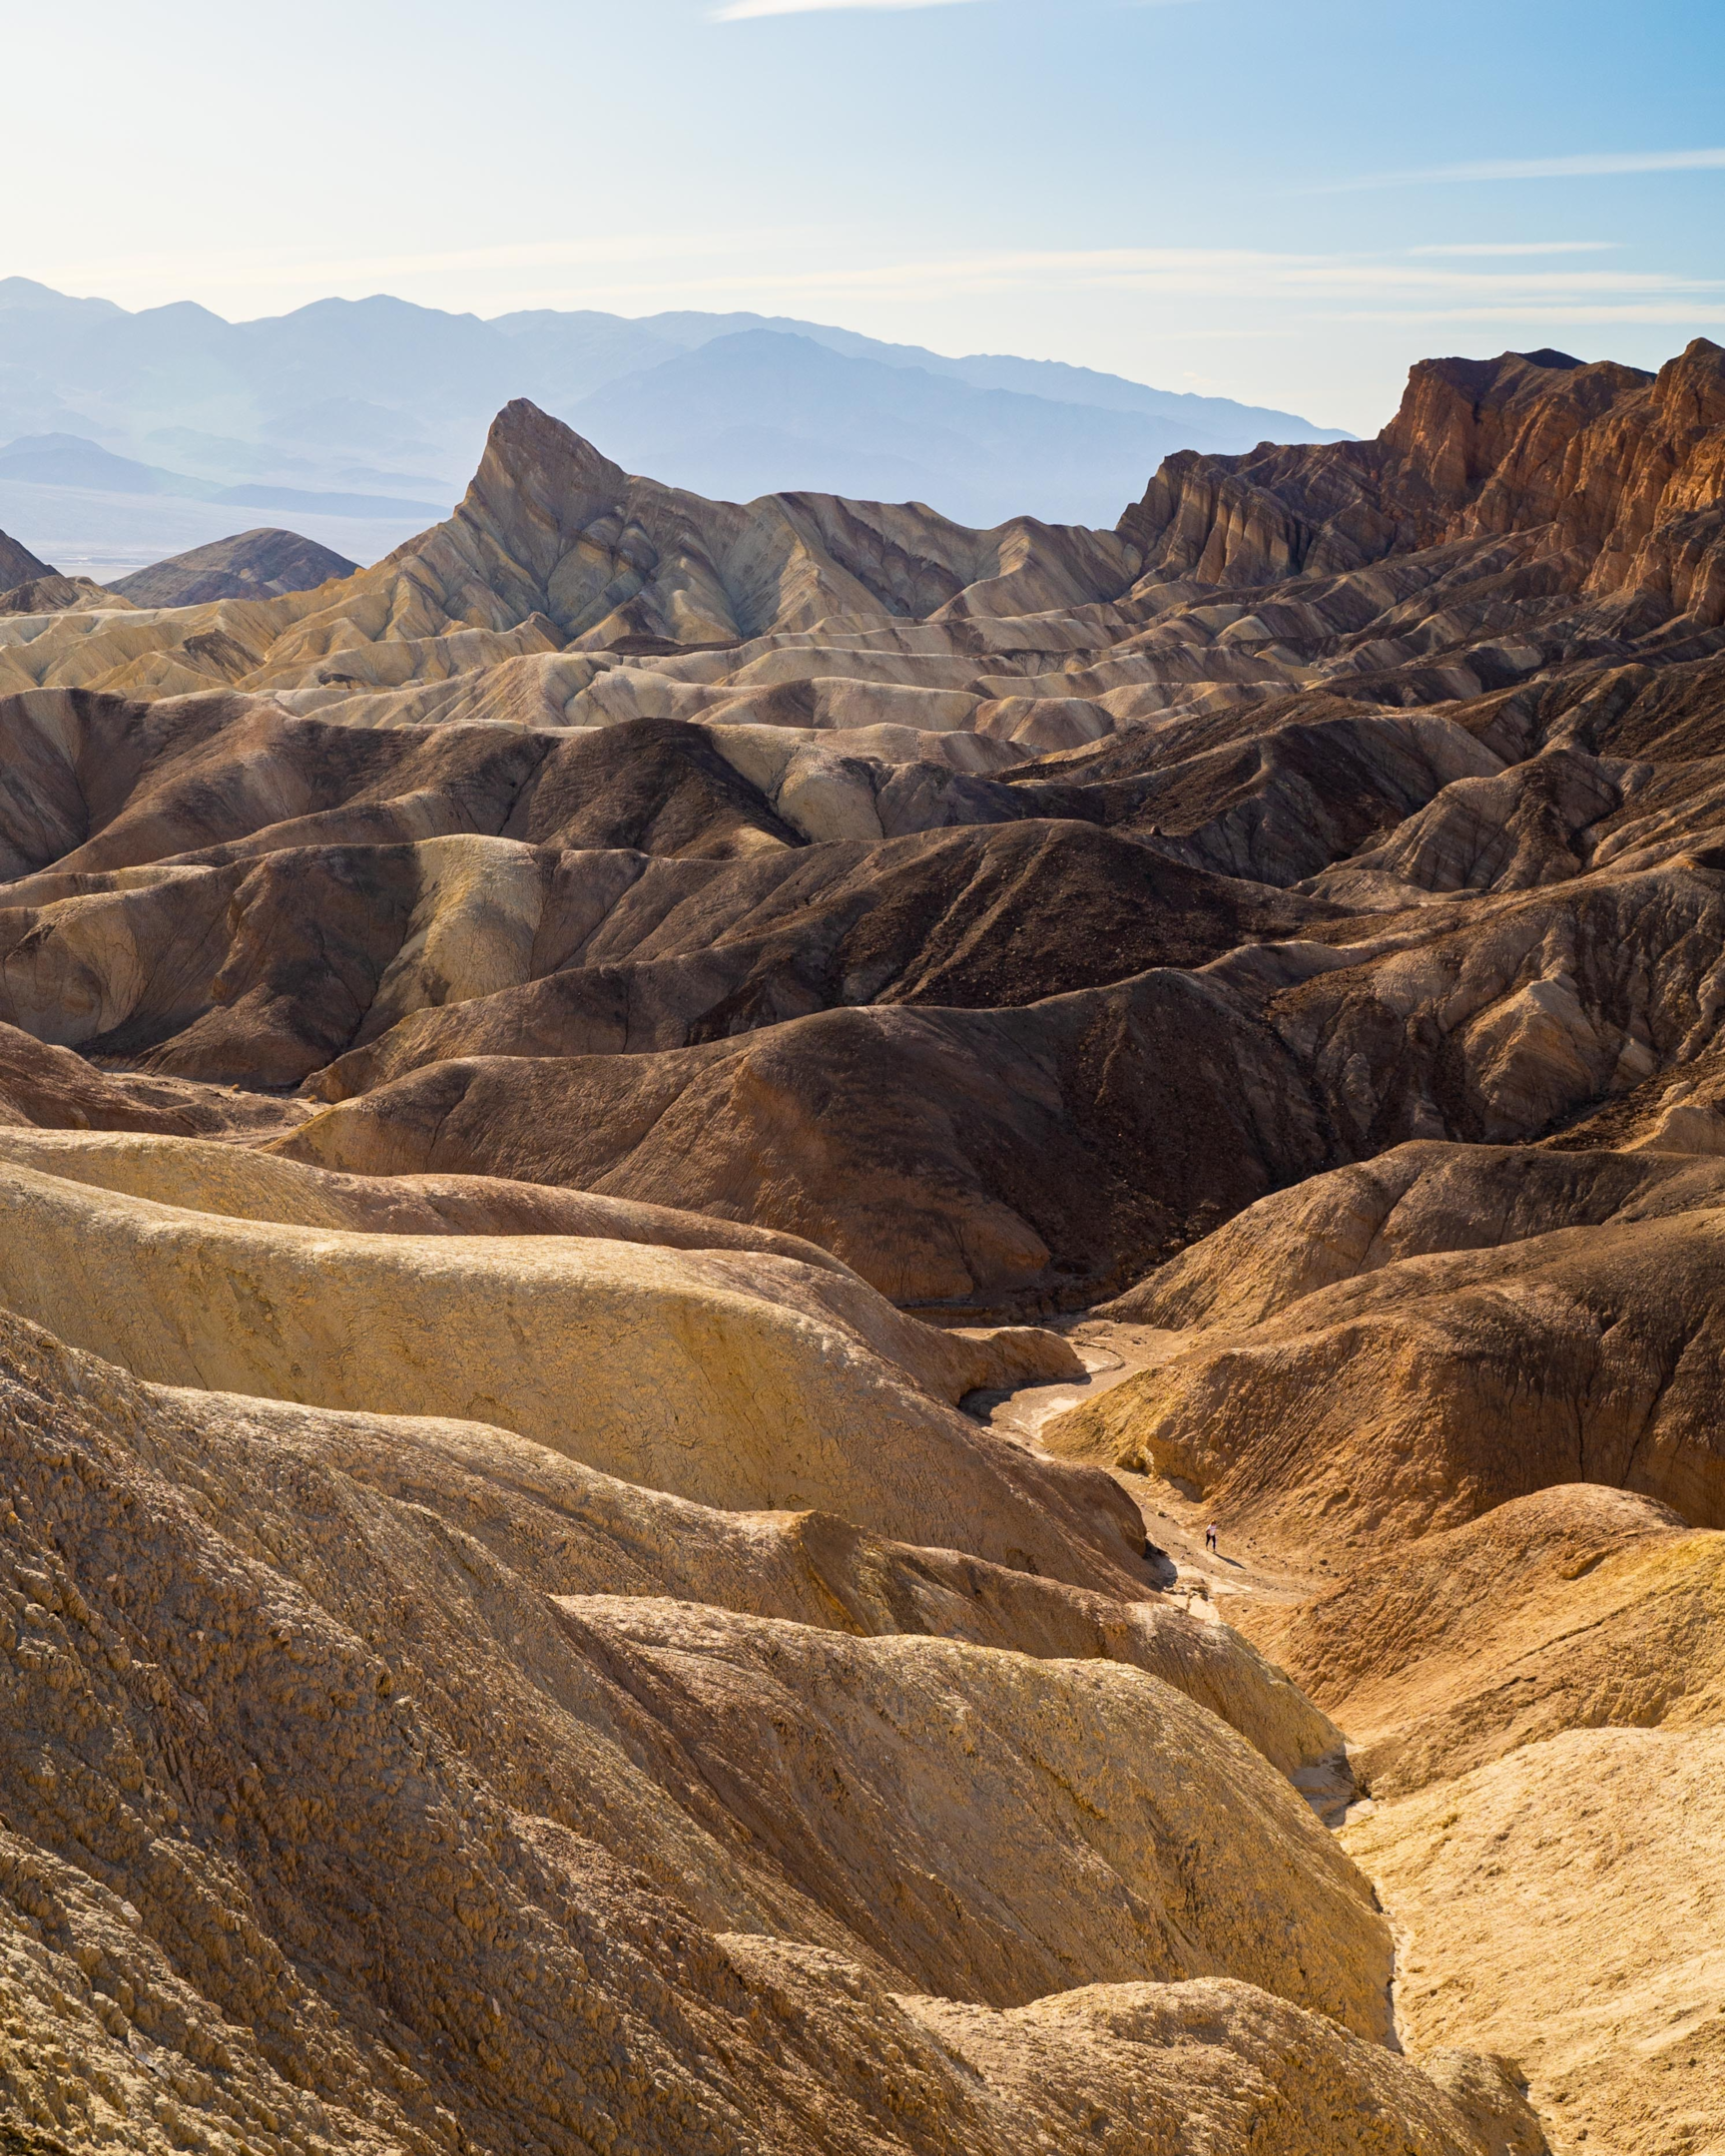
x,y
790,268
1221,272
1592,164
753,10
1658,315
1469,248
282,269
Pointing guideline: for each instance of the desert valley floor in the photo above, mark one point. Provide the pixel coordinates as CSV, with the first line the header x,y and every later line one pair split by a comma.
x,y
660,1161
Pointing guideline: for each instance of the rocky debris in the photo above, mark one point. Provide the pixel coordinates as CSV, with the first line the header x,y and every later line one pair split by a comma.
x,y
260,564
1057,2054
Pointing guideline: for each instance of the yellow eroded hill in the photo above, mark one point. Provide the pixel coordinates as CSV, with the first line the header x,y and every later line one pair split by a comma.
x,y
1577,1608
668,1368
679,1879
240,1183
1564,1906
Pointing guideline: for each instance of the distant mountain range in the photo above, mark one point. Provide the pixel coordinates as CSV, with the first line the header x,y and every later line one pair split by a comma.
x,y
70,460
373,409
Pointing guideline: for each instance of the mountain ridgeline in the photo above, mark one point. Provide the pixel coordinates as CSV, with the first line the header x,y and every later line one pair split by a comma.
x,y
361,412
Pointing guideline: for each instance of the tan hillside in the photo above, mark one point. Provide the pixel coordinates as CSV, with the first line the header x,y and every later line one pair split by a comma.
x,y
1535,1701
1412,1202
1574,1609
249,1712
1563,1906
718,1376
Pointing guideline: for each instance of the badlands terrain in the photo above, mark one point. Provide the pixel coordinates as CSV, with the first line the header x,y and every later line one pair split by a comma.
x,y
660,1160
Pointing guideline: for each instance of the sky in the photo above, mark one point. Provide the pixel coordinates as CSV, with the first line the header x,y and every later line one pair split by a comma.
x,y
1282,200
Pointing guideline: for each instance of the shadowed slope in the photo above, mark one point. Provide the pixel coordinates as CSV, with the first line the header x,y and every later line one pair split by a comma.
x,y
54,1089
944,1154
266,968
1086,1133
260,564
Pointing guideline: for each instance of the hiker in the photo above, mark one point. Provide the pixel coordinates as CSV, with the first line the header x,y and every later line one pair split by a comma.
x,y
1210,1536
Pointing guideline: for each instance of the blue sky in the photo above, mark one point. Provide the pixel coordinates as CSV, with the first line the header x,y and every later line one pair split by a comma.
x,y
1287,203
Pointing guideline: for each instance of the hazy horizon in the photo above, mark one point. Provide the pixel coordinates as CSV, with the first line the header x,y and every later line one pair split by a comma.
x,y
1205,195
126,437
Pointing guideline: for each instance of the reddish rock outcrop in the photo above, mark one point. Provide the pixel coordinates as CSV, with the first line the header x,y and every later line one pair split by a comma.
x,y
1617,474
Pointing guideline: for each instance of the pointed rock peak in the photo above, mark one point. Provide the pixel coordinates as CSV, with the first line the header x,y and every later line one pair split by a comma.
x,y
19,566
526,442
1691,388
538,483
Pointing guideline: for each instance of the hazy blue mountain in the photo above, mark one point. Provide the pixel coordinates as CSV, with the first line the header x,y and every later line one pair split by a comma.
x,y
68,460
23,296
377,408
1214,424
764,409
327,501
